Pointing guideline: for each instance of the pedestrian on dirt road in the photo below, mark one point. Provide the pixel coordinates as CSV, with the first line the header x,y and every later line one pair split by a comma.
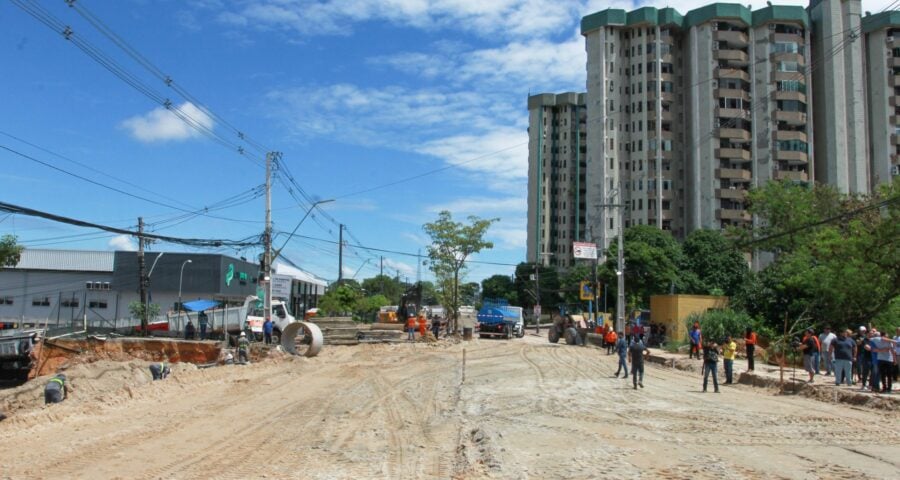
x,y
203,322
825,339
622,349
729,349
243,348
612,342
411,327
160,370
435,326
189,331
57,389
268,328
897,355
843,349
750,342
863,357
810,348
711,364
696,337
638,351
882,348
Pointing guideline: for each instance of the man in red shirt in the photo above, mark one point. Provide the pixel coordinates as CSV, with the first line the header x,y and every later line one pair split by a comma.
x,y
750,341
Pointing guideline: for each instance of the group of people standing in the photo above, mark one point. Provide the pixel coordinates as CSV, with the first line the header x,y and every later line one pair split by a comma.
x,y
869,357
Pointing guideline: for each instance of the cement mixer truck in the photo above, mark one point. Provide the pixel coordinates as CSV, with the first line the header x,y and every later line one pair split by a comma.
x,y
299,338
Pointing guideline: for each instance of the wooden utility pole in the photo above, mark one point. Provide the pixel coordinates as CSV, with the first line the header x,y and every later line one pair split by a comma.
x,y
340,254
142,278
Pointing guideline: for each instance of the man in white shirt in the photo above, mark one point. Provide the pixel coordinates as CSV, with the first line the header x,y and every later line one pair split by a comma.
x,y
825,339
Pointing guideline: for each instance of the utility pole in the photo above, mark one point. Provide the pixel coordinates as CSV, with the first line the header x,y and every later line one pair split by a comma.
x,y
381,275
537,295
271,158
418,265
340,254
620,273
142,280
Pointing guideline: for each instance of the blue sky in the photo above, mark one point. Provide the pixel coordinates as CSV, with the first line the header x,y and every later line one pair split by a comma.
x,y
356,94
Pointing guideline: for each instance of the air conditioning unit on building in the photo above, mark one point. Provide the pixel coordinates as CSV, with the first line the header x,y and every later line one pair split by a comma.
x,y
772,27
105,286
98,286
889,39
89,285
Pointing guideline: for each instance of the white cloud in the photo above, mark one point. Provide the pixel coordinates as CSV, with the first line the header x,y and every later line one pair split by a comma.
x,y
122,242
391,266
511,238
508,18
479,205
162,125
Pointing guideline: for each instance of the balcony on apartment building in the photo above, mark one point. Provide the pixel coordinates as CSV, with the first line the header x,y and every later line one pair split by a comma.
x,y
895,80
777,37
790,95
792,157
651,217
785,135
734,215
737,133
734,174
664,96
732,93
732,193
733,38
665,154
732,56
725,72
733,153
791,175
795,57
894,62
732,112
895,139
895,101
666,116
791,118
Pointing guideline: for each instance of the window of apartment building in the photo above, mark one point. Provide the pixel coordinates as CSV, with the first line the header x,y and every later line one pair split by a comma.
x,y
667,87
739,103
611,224
791,106
640,32
640,87
640,68
665,49
627,90
627,108
612,106
612,144
612,67
640,164
633,204
788,67
640,145
612,125
651,86
667,184
651,47
667,68
895,52
628,146
40,302
627,128
640,204
785,47
6,301
612,48
640,106
632,51
666,205
640,49
792,146
612,88
612,164
666,146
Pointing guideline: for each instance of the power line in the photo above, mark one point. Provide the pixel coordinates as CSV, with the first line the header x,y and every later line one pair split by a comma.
x,y
198,242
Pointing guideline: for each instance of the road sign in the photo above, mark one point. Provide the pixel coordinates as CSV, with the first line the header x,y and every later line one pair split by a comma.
x,y
584,250
537,311
585,291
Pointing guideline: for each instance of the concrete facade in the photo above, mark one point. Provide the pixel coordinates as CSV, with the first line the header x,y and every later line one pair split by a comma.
x,y
556,177
842,158
882,46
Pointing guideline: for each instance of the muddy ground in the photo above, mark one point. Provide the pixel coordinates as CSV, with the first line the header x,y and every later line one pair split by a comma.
x,y
524,409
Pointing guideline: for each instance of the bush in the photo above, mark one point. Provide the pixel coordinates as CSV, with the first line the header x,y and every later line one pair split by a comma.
x,y
716,324
674,346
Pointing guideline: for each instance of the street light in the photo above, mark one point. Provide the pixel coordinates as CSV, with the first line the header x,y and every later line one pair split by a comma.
x,y
180,277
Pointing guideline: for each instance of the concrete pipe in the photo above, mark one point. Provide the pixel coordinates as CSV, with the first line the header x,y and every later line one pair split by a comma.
x,y
302,338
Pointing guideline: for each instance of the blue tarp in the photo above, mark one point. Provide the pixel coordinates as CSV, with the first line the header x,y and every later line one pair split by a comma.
x,y
200,305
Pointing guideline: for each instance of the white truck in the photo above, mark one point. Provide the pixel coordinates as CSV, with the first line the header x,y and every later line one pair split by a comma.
x,y
293,335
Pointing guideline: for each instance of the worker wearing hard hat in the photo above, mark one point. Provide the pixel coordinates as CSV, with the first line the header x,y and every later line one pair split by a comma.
x,y
244,348
57,389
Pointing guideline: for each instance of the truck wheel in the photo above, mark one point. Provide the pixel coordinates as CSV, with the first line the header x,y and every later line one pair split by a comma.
x,y
552,335
520,332
276,337
571,336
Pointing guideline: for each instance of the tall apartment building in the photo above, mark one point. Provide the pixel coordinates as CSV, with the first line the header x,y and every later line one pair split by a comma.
x,y
556,177
840,121
695,109
882,45
686,113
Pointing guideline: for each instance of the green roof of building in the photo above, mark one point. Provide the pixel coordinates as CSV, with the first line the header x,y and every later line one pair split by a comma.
x,y
671,17
871,23
781,13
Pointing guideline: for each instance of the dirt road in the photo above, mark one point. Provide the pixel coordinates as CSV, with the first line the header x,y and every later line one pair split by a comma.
x,y
526,409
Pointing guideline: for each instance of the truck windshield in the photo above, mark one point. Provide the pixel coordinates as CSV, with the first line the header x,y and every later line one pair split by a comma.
x,y
279,310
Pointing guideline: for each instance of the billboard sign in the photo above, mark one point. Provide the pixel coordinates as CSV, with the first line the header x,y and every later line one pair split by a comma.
x,y
584,250
281,286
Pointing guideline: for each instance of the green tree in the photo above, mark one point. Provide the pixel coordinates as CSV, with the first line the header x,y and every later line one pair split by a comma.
x,y
10,251
570,285
385,285
837,258
429,294
652,259
714,264
500,286
525,286
366,308
452,243
468,293
136,308
340,299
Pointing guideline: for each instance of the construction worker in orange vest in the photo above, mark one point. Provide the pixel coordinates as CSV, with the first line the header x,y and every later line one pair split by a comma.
x,y
411,327
611,338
